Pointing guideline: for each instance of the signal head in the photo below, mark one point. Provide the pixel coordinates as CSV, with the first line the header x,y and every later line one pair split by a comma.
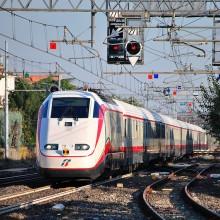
x,y
116,47
133,47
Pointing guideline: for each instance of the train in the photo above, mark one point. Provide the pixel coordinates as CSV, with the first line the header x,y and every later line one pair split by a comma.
x,y
83,135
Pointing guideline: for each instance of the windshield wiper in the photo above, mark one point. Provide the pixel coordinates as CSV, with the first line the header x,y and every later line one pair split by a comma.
x,y
65,111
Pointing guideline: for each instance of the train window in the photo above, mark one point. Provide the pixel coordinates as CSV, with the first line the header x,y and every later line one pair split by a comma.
x,y
96,110
162,131
73,107
157,133
125,127
149,130
145,129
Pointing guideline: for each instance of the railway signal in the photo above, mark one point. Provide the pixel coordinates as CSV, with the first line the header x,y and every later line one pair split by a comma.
x,y
115,50
133,51
133,48
124,45
115,42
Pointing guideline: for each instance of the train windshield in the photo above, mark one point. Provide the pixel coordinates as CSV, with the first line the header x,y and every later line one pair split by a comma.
x,y
70,108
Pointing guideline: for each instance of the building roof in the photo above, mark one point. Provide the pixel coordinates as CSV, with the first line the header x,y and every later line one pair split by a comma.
x,y
36,78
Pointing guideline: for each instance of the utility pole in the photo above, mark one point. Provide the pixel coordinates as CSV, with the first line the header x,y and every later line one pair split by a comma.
x,y
6,103
59,76
92,23
59,81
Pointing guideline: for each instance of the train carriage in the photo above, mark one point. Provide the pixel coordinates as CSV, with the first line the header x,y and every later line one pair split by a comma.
x,y
82,135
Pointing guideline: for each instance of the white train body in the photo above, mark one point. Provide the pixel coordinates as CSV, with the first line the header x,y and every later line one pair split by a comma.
x,y
81,135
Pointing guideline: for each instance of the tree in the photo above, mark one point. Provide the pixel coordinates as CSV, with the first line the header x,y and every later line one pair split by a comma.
x,y
28,103
210,107
133,101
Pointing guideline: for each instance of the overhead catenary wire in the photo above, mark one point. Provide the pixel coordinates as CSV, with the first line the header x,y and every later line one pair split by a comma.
x,y
60,56
134,82
23,60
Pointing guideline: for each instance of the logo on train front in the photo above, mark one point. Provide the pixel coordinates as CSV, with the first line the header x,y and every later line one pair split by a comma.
x,y
65,162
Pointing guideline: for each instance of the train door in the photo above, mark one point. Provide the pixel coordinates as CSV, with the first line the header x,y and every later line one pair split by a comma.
x,y
148,141
167,141
157,138
129,141
145,136
154,140
162,139
189,142
181,142
145,142
107,126
176,142
150,138
172,142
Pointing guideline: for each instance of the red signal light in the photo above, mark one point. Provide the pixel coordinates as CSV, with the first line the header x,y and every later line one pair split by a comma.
x,y
115,51
116,47
133,47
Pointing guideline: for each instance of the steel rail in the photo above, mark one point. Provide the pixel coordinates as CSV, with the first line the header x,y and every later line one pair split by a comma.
x,y
28,204
214,215
23,175
25,178
149,189
2,198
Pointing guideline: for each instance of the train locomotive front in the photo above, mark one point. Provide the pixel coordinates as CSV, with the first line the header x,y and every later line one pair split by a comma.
x,y
71,135
82,135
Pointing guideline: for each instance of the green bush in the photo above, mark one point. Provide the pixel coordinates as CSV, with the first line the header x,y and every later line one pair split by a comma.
x,y
28,103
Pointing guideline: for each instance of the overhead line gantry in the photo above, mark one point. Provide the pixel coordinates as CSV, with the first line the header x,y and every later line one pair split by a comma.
x,y
150,8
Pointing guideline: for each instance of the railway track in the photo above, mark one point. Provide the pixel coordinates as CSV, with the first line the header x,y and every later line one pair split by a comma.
x,y
54,195
16,171
202,191
164,198
27,192
5,181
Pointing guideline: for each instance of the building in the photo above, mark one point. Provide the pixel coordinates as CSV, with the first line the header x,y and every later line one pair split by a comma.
x,y
36,78
11,87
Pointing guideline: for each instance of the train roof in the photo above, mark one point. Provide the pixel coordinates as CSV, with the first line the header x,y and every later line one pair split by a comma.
x,y
70,93
139,112
128,109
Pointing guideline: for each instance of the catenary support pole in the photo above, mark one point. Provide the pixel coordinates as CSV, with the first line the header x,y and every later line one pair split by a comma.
x,y
92,23
6,104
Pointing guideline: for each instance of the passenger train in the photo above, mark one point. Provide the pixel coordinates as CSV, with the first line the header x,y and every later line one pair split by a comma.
x,y
81,134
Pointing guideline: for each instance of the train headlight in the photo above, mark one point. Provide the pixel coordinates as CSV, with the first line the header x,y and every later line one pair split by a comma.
x,y
82,147
51,147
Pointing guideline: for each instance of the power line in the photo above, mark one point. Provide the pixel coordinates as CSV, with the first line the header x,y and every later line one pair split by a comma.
x,y
158,8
